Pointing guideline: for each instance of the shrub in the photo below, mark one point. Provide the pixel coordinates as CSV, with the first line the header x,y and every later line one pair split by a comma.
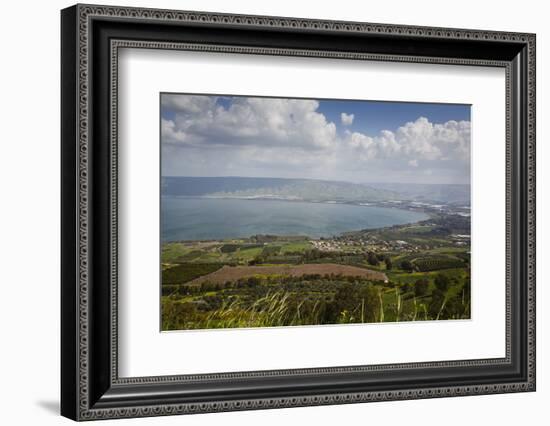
x,y
372,259
421,287
407,265
360,302
442,282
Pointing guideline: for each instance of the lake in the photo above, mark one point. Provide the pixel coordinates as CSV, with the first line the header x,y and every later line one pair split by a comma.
x,y
216,218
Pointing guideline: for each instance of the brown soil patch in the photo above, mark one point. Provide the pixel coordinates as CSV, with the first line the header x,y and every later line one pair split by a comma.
x,y
233,273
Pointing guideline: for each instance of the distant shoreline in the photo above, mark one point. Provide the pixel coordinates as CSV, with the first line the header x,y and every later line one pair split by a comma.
x,y
409,205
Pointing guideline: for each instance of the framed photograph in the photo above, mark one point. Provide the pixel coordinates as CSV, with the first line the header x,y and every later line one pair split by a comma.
x,y
263,212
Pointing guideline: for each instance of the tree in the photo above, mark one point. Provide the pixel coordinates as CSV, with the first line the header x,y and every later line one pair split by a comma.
x,y
312,254
388,262
442,282
257,260
372,258
407,265
359,302
421,287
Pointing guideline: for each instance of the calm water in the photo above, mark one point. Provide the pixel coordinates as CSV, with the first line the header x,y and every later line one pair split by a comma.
x,y
211,219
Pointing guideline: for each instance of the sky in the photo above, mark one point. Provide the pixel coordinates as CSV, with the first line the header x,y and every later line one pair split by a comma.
x,y
357,141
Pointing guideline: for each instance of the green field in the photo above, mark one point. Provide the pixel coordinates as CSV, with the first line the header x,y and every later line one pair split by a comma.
x,y
419,272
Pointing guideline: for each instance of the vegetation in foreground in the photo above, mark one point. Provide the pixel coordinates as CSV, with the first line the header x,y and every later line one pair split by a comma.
x,y
417,272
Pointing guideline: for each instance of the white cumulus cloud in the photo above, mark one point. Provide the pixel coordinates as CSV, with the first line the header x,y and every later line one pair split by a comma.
x,y
347,119
216,136
247,121
417,139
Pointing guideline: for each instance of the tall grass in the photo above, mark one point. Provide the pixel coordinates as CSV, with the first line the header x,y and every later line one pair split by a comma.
x,y
286,308
398,304
381,310
272,310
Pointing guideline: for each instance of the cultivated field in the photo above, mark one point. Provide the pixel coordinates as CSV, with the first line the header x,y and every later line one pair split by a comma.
x,y
234,273
417,272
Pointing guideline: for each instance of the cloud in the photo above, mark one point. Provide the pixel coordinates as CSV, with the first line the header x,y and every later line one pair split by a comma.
x,y
264,122
347,119
171,134
417,139
380,147
188,104
240,136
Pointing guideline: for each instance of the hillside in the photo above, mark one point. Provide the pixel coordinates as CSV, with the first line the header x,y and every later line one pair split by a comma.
x,y
311,190
291,189
443,193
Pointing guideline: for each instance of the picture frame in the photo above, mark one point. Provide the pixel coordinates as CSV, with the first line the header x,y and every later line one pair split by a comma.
x,y
91,37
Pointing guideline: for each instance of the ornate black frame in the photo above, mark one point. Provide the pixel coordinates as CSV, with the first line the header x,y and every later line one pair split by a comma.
x,y
91,37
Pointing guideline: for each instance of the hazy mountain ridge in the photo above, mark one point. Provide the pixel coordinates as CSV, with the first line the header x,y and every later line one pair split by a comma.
x,y
276,188
445,193
201,186
310,190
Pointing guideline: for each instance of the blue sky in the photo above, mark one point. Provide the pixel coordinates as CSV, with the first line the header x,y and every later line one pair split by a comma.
x,y
382,115
374,116
359,141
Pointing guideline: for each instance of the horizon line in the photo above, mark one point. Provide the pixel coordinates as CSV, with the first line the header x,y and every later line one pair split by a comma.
x,y
316,179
